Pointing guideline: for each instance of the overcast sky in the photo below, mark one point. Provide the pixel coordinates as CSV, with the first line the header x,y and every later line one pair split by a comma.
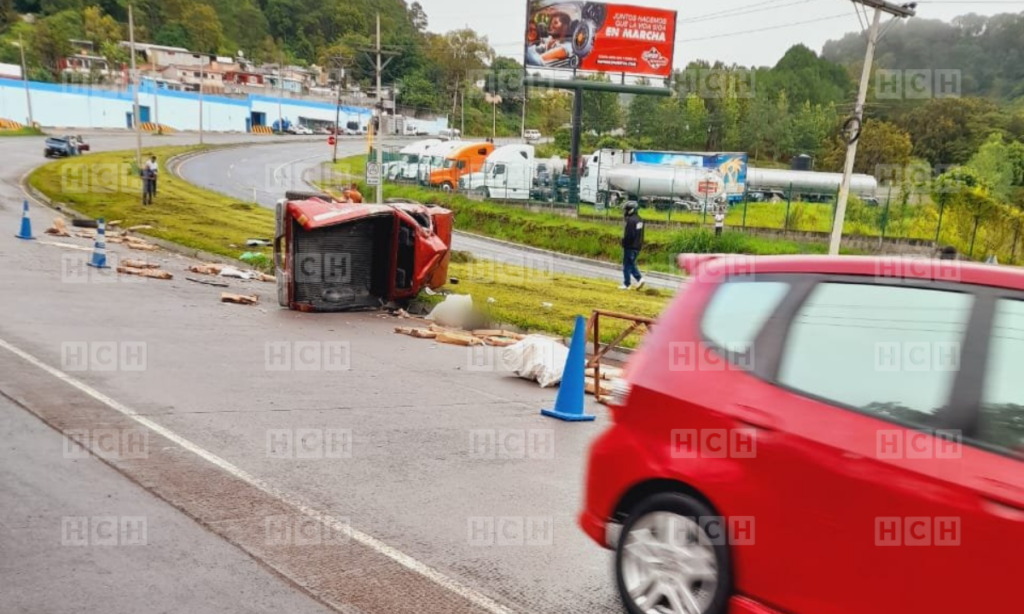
x,y
707,30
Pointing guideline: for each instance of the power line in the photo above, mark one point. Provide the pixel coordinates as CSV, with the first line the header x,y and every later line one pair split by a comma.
x,y
778,27
743,11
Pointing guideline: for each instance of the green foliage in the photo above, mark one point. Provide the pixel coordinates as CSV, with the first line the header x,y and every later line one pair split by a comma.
x,y
949,130
985,50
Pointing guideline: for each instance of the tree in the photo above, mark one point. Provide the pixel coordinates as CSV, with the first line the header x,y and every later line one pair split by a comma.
x,y
8,15
949,130
204,28
173,35
418,16
601,110
51,41
640,117
812,127
884,151
100,28
995,168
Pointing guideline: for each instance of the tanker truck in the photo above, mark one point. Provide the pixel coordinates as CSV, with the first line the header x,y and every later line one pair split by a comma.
x,y
692,188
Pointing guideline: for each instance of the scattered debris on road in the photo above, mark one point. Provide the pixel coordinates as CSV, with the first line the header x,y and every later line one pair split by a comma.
x,y
59,228
140,264
207,282
239,299
457,336
151,273
223,270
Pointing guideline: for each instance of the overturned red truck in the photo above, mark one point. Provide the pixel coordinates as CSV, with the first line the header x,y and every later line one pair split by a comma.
x,y
340,256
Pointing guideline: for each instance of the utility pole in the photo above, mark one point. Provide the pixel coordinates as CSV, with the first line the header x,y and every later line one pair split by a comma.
x,y
337,113
202,78
381,65
280,91
135,91
380,123
462,105
24,77
855,124
522,131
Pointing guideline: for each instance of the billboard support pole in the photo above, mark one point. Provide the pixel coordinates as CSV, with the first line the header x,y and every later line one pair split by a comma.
x,y
574,150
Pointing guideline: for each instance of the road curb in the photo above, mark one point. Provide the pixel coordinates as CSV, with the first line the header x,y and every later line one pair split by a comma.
x,y
580,259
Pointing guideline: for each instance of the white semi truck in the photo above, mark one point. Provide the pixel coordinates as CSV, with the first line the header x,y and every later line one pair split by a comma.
x,y
404,169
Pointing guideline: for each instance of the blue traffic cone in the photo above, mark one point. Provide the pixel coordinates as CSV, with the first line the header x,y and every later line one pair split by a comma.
x,y
99,250
26,224
569,404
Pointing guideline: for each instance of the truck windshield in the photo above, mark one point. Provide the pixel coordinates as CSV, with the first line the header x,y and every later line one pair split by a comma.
x,y
410,158
437,161
449,163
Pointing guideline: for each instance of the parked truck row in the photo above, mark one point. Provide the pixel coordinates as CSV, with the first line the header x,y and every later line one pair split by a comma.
x,y
608,176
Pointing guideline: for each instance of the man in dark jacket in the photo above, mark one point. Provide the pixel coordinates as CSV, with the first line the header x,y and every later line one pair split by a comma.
x,y
632,243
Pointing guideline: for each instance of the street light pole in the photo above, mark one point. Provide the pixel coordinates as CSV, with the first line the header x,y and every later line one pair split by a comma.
x,y
856,123
202,78
135,91
380,122
24,77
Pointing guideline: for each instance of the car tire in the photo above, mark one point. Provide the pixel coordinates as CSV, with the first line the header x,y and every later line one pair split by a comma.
x,y
711,596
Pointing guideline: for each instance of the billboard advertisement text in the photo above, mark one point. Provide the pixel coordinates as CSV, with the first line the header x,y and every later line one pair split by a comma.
x,y
599,37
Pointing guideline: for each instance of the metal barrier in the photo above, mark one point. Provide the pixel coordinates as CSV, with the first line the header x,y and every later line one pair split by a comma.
x,y
637,322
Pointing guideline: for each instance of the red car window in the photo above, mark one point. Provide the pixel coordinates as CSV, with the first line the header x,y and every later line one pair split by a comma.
x,y
891,351
1001,422
739,310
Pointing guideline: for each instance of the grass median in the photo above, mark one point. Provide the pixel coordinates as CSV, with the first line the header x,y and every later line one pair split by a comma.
x,y
103,185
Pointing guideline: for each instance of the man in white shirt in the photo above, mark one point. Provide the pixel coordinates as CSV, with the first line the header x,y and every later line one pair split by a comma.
x,y
719,222
154,170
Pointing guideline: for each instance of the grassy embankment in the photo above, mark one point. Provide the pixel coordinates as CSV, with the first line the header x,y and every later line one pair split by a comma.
x,y
102,185
23,131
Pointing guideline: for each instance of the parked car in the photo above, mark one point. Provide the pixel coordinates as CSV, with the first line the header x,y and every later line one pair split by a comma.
x,y
80,143
817,435
60,147
532,135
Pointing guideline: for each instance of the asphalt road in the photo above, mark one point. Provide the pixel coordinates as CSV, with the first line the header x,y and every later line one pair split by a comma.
x,y
432,512
264,173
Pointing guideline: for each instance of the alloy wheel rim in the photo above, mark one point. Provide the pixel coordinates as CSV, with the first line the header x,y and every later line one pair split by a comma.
x,y
669,565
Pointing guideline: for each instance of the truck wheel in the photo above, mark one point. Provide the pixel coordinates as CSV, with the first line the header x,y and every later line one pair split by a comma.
x,y
483,193
447,187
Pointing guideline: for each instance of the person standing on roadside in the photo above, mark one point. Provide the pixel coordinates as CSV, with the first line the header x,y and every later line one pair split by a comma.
x,y
154,169
719,221
632,243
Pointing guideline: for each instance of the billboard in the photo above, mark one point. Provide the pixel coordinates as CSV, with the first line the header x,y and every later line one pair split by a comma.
x,y
731,166
594,36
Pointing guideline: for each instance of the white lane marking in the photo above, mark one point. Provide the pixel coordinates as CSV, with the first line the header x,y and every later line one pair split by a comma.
x,y
476,598
277,171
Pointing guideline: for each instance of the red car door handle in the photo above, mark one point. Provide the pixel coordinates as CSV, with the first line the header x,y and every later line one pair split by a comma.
x,y
1002,499
755,417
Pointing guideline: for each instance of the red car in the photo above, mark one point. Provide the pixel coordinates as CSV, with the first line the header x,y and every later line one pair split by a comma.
x,y
816,435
